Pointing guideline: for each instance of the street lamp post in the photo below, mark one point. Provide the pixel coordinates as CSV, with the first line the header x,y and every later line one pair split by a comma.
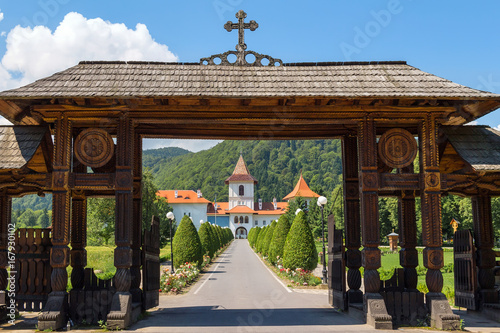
x,y
171,217
321,203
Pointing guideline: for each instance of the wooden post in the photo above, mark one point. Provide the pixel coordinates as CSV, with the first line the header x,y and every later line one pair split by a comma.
x,y
137,222
408,255
54,315
484,241
351,218
121,306
78,244
376,315
5,220
430,193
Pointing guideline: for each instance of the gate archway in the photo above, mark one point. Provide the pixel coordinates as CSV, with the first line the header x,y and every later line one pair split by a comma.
x,y
240,233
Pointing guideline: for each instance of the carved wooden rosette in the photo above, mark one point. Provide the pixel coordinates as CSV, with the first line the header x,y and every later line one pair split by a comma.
x,y
370,226
124,203
351,215
94,147
430,190
397,148
484,239
5,217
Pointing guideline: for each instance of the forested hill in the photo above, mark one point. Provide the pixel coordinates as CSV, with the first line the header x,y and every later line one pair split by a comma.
x,y
275,164
151,159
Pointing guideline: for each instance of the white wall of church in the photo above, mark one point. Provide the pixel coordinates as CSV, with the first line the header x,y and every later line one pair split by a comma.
x,y
236,200
198,211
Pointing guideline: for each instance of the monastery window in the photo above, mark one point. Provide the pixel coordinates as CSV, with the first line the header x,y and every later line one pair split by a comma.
x,y
242,190
256,222
246,219
241,219
235,219
264,222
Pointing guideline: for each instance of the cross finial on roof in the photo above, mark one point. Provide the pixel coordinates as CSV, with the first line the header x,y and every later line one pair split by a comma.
x,y
241,26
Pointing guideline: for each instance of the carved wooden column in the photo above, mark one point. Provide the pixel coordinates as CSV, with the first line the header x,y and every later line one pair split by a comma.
x,y
54,315
137,222
376,315
430,193
78,244
408,255
351,218
484,241
119,317
5,220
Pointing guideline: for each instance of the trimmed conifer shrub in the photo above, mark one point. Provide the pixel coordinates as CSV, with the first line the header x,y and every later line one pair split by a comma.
x,y
267,240
206,239
279,238
213,239
187,245
252,236
300,250
260,239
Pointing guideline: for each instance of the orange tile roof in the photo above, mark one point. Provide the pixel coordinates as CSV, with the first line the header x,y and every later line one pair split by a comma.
x,y
301,190
242,209
183,196
241,173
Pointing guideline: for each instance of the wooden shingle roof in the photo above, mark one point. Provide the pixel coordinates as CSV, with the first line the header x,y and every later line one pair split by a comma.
x,y
477,145
241,173
156,79
18,145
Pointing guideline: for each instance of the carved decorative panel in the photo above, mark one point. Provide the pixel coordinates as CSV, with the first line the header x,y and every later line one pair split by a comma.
x,y
397,148
94,147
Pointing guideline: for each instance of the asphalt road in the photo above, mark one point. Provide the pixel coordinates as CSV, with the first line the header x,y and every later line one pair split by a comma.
x,y
240,294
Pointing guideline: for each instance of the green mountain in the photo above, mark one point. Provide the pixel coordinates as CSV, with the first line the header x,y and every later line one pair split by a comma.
x,y
151,158
275,164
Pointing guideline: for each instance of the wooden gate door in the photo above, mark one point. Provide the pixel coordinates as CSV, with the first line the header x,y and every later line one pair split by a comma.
x,y
151,265
33,268
337,294
465,270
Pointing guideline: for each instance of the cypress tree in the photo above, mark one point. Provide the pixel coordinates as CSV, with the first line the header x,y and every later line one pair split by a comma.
x,y
260,240
206,239
300,250
187,245
267,240
279,238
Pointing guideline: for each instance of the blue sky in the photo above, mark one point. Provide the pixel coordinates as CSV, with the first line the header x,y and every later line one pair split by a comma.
x,y
457,40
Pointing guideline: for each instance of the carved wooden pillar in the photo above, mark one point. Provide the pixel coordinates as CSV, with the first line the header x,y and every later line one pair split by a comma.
x,y
352,218
408,255
137,222
78,254
119,317
5,220
484,241
370,227
430,193
54,314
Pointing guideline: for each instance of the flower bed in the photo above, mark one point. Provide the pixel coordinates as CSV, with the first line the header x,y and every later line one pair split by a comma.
x,y
299,277
182,277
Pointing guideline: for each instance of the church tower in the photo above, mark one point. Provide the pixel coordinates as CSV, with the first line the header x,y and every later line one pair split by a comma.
x,y
241,186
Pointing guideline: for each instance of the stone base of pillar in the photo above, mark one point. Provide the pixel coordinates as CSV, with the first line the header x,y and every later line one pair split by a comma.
x,y
121,308
441,315
354,297
376,312
488,296
54,316
492,311
136,295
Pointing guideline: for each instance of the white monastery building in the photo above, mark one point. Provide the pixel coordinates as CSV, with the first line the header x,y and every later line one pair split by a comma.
x,y
241,212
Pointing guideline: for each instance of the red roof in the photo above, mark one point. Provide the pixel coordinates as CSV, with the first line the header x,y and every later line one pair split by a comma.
x,y
267,209
301,190
242,209
241,173
183,196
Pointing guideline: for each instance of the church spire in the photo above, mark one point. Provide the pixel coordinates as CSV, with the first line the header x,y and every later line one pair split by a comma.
x,y
241,172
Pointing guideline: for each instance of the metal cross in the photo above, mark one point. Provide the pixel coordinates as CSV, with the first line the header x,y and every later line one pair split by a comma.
x,y
241,26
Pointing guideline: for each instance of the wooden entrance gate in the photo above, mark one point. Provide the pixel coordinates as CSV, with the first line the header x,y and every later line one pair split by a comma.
x,y
465,270
151,265
336,266
33,268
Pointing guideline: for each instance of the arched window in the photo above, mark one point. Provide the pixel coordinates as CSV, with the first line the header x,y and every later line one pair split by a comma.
x,y
235,219
241,219
246,219
242,190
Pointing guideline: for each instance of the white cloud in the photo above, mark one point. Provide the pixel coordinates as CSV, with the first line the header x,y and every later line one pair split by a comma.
x,y
33,53
1,15
498,127
191,145
472,123
4,121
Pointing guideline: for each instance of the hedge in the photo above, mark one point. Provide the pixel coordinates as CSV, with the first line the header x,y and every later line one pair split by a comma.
x,y
300,250
187,245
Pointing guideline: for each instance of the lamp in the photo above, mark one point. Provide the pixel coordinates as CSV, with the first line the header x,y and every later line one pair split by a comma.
x,y
171,217
321,203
